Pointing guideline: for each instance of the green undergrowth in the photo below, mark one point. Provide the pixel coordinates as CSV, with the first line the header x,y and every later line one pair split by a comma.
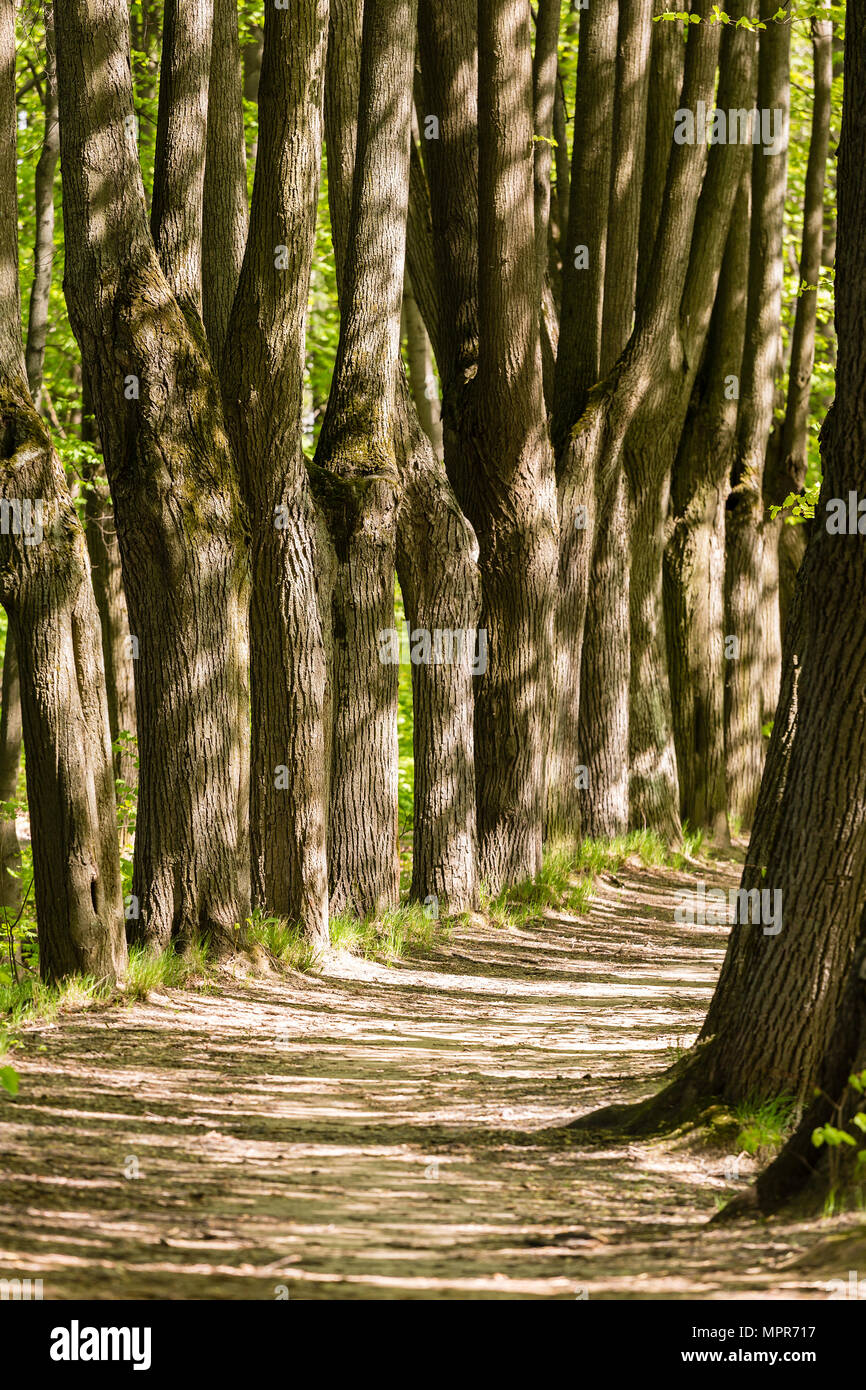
x,y
565,883
567,878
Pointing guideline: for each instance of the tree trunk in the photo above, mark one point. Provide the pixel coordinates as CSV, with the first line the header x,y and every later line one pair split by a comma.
x,y
52,619
263,369
43,197
10,763
425,392
510,497
174,490
356,469
744,525
789,473
694,573
437,567
224,195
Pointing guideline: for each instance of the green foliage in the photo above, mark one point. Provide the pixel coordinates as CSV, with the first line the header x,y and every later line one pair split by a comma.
x,y
764,1124
148,971
282,939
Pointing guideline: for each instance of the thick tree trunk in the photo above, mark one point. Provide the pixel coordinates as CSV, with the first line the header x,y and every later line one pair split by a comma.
x,y
174,489
46,592
511,498
797,980
744,527
694,573
263,368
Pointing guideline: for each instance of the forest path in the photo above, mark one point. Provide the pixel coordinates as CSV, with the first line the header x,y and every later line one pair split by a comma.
x,y
369,1133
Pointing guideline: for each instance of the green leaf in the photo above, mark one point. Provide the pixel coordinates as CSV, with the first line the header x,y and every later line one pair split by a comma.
x,y
9,1080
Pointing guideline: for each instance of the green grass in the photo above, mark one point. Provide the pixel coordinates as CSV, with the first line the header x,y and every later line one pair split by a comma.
x,y
386,937
764,1125
149,971
567,877
282,939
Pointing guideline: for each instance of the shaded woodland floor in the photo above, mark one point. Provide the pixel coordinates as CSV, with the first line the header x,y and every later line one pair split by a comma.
x,y
377,1131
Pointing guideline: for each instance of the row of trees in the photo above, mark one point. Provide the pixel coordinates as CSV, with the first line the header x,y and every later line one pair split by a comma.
x,y
607,335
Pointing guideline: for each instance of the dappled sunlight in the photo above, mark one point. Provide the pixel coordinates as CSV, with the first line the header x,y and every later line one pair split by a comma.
x,y
385,1130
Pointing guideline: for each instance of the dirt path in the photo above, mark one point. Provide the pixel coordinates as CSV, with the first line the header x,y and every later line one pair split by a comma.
x,y
364,1134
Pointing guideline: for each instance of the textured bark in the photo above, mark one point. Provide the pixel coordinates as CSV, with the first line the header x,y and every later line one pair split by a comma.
x,y
43,196
657,423
789,471
603,716
809,839
668,323
356,468
181,145
509,494
694,572
437,566
579,360
744,528
291,566
174,489
544,79
667,56
801,990
10,763
45,589
224,194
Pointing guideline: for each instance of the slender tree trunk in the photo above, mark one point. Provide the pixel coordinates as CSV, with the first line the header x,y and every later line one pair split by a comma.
x,y
52,619
224,195
172,478
356,469
425,392
789,473
43,197
694,572
263,369
744,528
10,763
437,566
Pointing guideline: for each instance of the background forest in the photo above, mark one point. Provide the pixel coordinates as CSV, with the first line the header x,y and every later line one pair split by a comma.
x,y
416,449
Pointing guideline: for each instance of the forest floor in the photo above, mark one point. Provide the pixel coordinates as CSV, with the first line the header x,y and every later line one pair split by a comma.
x,y
378,1131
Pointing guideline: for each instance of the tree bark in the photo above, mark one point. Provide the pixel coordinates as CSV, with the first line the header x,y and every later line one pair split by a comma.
x,y
43,197
45,590
175,495
744,524
356,470
224,194
10,763
291,564
789,473
694,574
